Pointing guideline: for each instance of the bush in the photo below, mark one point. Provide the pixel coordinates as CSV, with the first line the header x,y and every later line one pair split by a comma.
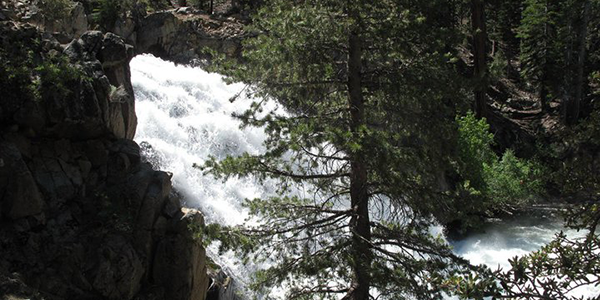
x,y
500,183
55,77
474,149
498,67
15,77
106,13
511,180
28,74
55,9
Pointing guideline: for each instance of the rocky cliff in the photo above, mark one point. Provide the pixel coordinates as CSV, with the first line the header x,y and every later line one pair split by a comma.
x,y
82,215
183,35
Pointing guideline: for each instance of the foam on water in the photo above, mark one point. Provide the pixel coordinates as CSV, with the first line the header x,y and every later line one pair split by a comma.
x,y
185,116
500,241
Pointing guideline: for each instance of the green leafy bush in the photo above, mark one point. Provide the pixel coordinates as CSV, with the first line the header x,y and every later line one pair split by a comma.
x,y
28,74
498,66
15,77
55,9
106,13
511,180
500,182
474,150
55,76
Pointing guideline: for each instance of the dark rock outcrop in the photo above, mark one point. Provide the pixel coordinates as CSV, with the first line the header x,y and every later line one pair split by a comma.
x,y
183,36
82,216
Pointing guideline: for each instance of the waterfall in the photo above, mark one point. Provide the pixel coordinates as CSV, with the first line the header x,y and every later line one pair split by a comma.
x,y
184,116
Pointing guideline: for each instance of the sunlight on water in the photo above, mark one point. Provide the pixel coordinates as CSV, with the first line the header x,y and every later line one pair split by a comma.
x,y
502,240
184,116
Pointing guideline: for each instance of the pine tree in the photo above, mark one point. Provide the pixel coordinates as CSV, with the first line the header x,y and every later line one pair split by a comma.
x,y
554,45
480,55
540,49
369,93
577,14
504,17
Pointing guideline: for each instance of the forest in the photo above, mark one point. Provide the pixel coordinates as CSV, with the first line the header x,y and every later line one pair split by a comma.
x,y
404,114
391,118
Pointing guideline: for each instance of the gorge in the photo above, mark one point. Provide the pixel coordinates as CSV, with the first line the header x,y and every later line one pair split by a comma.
x,y
185,116
102,145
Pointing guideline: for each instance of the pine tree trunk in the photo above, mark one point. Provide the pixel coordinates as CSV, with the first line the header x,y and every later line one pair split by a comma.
x,y
567,84
479,39
545,76
359,223
576,103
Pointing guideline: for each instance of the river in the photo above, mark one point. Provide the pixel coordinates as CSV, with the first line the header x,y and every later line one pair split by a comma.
x,y
184,116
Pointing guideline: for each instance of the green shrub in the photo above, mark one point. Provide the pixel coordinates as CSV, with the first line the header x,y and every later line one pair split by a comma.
x,y
498,67
106,13
511,180
26,74
55,78
15,75
500,183
474,149
156,4
53,10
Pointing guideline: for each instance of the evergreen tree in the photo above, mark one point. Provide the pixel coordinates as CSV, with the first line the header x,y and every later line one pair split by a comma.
x,y
504,17
369,92
540,49
480,55
577,14
554,51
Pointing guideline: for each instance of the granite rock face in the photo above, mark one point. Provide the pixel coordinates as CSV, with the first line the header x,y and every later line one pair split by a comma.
x,y
183,35
82,216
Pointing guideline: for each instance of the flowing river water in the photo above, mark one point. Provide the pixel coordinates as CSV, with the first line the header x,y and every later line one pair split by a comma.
x,y
184,116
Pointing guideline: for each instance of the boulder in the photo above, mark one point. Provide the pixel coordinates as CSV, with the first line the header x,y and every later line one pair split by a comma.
x,y
109,97
157,33
151,207
114,51
222,287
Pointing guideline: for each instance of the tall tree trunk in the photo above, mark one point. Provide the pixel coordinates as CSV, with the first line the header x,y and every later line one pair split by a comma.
x,y
359,198
576,103
568,82
545,76
479,53
513,12
544,91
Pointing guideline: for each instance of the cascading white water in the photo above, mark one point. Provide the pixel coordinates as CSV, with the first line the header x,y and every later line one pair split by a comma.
x,y
184,116
499,241
502,240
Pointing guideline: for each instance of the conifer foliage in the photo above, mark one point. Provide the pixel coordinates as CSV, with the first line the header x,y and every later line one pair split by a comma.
x,y
362,82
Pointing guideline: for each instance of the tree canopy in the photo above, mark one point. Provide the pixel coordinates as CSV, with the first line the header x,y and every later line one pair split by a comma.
x,y
373,120
361,83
